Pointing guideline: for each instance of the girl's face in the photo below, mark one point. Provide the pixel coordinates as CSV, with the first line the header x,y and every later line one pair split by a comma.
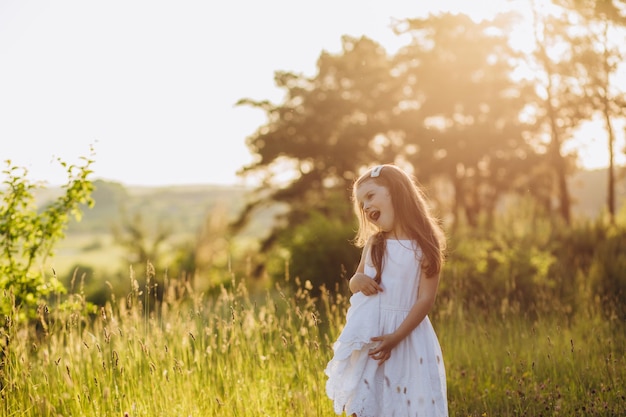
x,y
375,201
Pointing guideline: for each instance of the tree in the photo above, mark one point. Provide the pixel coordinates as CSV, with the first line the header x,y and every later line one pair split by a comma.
x,y
445,106
142,247
598,55
321,253
460,116
561,106
322,134
28,236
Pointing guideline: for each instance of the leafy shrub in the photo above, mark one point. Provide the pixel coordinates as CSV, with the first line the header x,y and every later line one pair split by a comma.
x,y
535,265
496,273
607,274
27,237
321,251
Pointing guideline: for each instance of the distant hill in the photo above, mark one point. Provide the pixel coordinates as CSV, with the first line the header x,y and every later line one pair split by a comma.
x,y
183,208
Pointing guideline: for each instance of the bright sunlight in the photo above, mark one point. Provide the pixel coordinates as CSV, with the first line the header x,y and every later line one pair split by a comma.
x,y
589,141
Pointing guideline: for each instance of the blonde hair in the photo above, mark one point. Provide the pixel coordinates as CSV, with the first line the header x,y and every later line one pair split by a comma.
x,y
411,213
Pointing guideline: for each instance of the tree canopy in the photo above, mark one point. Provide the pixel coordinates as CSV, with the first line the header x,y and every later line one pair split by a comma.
x,y
450,106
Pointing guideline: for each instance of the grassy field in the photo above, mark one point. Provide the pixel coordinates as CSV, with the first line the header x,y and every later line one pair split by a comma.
x,y
100,252
97,250
244,352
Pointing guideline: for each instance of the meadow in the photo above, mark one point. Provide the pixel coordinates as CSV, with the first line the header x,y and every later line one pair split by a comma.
x,y
524,317
239,352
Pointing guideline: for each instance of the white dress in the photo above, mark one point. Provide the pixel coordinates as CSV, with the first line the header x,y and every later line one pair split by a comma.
x,y
412,382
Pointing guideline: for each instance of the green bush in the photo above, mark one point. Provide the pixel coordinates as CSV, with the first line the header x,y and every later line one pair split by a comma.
x,y
500,269
536,267
321,252
28,235
607,274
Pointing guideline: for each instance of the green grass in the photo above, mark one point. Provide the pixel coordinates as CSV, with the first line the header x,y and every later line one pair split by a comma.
x,y
551,366
262,353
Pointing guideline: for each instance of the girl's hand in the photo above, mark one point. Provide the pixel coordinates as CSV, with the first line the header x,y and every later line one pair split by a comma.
x,y
383,351
365,284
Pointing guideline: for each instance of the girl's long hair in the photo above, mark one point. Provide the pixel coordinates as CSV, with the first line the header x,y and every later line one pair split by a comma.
x,y
411,214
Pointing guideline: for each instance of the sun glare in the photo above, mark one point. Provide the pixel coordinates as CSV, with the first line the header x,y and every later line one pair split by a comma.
x,y
590,141
591,145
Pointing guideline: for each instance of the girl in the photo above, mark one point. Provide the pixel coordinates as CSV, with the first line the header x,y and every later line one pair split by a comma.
x,y
387,360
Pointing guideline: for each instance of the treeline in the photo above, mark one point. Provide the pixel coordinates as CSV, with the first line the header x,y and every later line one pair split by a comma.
x,y
475,119
482,125
148,224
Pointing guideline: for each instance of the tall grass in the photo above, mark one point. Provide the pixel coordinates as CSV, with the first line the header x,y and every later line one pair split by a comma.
x,y
237,353
509,365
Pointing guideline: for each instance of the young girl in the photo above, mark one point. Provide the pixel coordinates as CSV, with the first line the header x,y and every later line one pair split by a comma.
x,y
387,360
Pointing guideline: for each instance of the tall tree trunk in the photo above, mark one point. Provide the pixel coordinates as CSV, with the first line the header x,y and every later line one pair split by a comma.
x,y
560,169
606,110
611,171
555,156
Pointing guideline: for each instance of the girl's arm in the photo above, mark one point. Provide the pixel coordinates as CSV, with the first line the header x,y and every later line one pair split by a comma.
x,y
427,294
362,282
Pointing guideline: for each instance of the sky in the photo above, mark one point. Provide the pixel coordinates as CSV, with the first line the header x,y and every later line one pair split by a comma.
x,y
151,85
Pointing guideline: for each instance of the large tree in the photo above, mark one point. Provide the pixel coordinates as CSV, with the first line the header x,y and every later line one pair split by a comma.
x,y
445,107
314,143
598,55
460,89
561,106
